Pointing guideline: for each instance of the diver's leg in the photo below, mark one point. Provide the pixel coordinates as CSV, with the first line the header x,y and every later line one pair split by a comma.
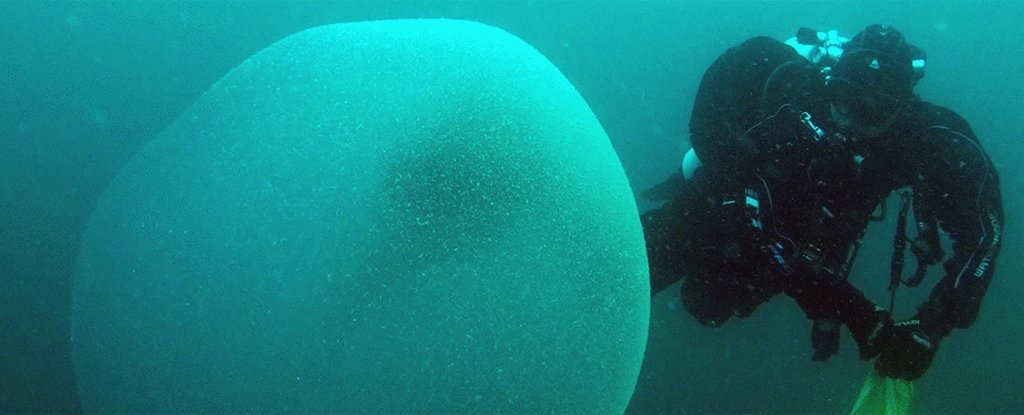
x,y
705,300
665,237
726,279
715,298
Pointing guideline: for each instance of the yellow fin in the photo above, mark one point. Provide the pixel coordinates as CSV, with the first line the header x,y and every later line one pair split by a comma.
x,y
884,396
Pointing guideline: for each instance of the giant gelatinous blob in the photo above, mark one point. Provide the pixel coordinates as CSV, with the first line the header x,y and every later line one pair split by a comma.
x,y
394,216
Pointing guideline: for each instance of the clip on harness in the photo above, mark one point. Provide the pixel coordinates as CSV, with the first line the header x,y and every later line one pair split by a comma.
x,y
899,246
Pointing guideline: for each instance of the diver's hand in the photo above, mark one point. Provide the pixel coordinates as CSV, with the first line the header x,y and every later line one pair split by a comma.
x,y
906,351
824,339
871,332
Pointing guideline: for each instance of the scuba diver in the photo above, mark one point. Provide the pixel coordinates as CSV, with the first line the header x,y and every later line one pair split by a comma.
x,y
796,147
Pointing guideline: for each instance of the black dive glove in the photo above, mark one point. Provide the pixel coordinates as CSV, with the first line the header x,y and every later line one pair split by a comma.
x,y
871,331
824,339
906,351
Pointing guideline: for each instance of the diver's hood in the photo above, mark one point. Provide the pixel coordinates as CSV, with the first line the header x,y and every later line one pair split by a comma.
x,y
876,71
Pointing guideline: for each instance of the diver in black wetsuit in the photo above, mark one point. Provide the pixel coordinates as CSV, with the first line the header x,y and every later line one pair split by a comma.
x,y
797,154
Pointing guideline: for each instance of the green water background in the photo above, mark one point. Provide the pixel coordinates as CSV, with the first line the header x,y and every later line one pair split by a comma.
x,y
84,84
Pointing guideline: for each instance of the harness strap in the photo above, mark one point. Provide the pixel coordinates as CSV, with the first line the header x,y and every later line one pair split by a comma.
x,y
899,246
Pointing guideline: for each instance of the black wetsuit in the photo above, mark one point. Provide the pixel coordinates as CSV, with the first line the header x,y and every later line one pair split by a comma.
x,y
778,207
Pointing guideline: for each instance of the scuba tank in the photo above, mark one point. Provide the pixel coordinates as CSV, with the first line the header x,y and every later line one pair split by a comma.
x,y
820,48
824,48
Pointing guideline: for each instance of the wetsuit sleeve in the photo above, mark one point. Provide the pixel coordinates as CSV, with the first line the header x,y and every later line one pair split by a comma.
x,y
961,187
